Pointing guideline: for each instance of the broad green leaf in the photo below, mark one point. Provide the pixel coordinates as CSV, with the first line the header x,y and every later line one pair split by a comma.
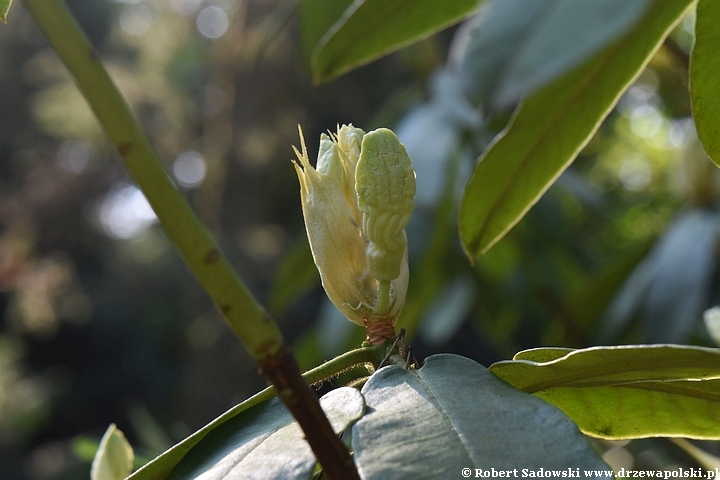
x,y
265,442
370,29
453,414
162,465
316,18
627,391
542,354
518,46
704,74
114,458
551,127
4,9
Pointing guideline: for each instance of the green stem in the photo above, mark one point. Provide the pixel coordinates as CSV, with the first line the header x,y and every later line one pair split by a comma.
x,y
326,371
253,325
382,304
246,316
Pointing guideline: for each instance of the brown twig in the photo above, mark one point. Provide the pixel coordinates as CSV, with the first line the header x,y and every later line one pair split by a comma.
x,y
283,371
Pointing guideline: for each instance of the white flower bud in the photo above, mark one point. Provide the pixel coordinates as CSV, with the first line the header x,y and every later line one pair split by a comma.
x,y
356,205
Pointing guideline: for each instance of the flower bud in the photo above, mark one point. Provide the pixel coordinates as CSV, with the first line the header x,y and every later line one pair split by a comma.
x,y
356,204
385,185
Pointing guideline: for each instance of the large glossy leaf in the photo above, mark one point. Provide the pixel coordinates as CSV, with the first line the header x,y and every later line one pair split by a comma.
x,y
704,74
316,18
265,442
4,9
551,127
256,420
518,46
370,29
627,391
162,465
453,414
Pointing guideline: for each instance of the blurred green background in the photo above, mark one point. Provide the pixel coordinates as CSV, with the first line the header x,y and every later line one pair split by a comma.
x,y
101,321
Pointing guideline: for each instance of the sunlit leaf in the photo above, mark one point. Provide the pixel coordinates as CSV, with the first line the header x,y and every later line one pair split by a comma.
x,y
542,354
4,9
628,391
518,46
704,74
265,442
114,458
316,18
551,127
453,414
370,29
161,466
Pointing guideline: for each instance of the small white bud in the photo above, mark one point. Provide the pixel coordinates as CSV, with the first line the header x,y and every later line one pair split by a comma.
x,y
356,204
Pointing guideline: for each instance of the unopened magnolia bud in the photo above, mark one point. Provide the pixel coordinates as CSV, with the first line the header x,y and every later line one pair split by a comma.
x,y
385,264
350,139
356,204
329,162
385,185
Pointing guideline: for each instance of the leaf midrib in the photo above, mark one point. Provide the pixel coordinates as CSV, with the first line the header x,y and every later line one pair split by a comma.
x,y
540,140
567,380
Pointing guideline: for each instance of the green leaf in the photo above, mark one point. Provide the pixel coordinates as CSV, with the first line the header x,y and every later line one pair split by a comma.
x,y
4,9
543,354
370,29
161,466
265,442
453,414
704,73
316,18
114,458
519,46
551,127
627,391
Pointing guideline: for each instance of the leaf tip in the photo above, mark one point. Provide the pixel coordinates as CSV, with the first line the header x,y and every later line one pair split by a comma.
x,y
4,9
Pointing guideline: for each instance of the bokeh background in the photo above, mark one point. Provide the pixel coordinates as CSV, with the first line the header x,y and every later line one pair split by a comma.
x,y
101,321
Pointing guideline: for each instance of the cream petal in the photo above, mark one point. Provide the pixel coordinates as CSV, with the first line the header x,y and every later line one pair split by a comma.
x,y
337,243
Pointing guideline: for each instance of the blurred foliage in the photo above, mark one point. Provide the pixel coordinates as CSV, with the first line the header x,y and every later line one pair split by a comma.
x,y
103,323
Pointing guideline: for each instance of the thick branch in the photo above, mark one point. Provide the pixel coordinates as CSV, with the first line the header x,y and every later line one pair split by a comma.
x,y
284,373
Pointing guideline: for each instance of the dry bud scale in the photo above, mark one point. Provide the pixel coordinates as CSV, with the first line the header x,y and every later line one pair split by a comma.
x,y
356,204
